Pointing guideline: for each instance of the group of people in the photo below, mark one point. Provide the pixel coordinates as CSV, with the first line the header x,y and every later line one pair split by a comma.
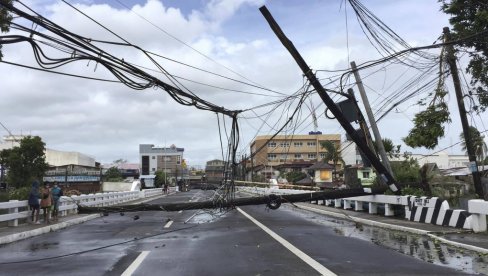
x,y
46,198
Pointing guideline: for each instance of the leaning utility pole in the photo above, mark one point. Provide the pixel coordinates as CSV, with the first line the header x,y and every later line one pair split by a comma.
x,y
384,173
451,60
372,121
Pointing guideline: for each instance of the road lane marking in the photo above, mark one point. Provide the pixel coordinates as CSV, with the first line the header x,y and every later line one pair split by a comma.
x,y
168,224
135,264
180,211
300,254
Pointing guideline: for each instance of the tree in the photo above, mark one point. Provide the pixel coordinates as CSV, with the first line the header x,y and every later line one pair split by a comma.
x,y
293,177
478,144
469,18
333,154
161,179
113,175
5,19
25,162
391,149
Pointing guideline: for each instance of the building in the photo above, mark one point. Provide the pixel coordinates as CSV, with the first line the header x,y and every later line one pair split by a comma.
x,y
322,176
286,149
72,170
127,170
157,158
214,170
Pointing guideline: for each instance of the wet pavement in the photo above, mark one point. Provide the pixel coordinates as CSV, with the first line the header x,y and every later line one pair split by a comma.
x,y
206,242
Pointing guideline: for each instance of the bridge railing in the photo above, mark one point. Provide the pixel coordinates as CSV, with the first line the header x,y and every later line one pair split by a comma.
x,y
15,210
424,209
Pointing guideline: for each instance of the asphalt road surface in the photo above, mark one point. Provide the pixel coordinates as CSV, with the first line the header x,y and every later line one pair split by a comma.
x,y
245,241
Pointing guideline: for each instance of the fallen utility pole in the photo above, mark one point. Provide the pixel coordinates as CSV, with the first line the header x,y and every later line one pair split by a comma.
x,y
451,60
270,200
372,121
375,162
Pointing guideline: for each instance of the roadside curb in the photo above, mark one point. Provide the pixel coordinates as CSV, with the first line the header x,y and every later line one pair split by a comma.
x,y
46,229
395,227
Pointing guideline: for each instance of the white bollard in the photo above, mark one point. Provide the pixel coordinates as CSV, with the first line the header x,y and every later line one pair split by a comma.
x,y
14,222
337,203
373,208
347,204
389,210
358,205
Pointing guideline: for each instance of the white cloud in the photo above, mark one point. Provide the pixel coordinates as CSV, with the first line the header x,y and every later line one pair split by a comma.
x,y
109,120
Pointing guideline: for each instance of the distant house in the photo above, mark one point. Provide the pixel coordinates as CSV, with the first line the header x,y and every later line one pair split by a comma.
x,y
127,170
214,170
322,175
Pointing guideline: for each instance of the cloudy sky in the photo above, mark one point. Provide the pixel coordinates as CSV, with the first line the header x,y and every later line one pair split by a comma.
x,y
248,67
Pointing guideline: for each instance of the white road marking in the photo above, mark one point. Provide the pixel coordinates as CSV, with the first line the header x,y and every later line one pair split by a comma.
x,y
168,224
180,211
135,264
300,254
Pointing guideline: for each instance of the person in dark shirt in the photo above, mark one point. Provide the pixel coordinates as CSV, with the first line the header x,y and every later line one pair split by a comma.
x,y
34,201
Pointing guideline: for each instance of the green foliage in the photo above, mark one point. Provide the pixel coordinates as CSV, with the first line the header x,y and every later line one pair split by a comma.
x,y
19,193
428,127
478,145
406,171
468,18
413,191
391,149
5,19
160,179
25,162
333,153
293,177
113,175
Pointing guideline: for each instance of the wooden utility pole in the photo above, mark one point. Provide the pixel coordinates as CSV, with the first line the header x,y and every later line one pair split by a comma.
x,y
372,121
451,60
384,173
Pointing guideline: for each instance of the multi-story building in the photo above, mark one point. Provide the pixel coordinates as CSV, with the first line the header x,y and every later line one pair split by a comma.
x,y
284,149
214,170
157,158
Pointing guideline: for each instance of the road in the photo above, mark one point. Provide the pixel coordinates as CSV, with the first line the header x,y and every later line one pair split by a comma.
x,y
249,240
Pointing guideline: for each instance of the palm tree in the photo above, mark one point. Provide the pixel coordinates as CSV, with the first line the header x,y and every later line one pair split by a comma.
x,y
333,154
478,145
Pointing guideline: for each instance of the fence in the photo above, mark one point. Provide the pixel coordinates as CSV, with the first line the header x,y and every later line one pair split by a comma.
x,y
17,210
420,209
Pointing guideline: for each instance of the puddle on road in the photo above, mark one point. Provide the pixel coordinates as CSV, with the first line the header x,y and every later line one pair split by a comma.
x,y
207,216
43,246
417,246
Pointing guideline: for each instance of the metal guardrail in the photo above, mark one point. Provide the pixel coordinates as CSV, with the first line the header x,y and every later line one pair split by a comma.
x,y
18,210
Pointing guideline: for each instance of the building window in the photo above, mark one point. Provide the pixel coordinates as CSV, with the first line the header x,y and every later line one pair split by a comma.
x,y
271,156
154,157
271,144
365,174
178,159
322,155
312,156
297,144
324,175
284,157
284,144
153,169
298,156
311,144
167,158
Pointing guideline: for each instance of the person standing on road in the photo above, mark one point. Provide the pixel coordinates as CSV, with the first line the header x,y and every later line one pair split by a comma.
x,y
34,201
46,202
56,194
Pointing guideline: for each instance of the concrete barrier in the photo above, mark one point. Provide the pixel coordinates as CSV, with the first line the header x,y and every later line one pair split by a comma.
x,y
17,210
